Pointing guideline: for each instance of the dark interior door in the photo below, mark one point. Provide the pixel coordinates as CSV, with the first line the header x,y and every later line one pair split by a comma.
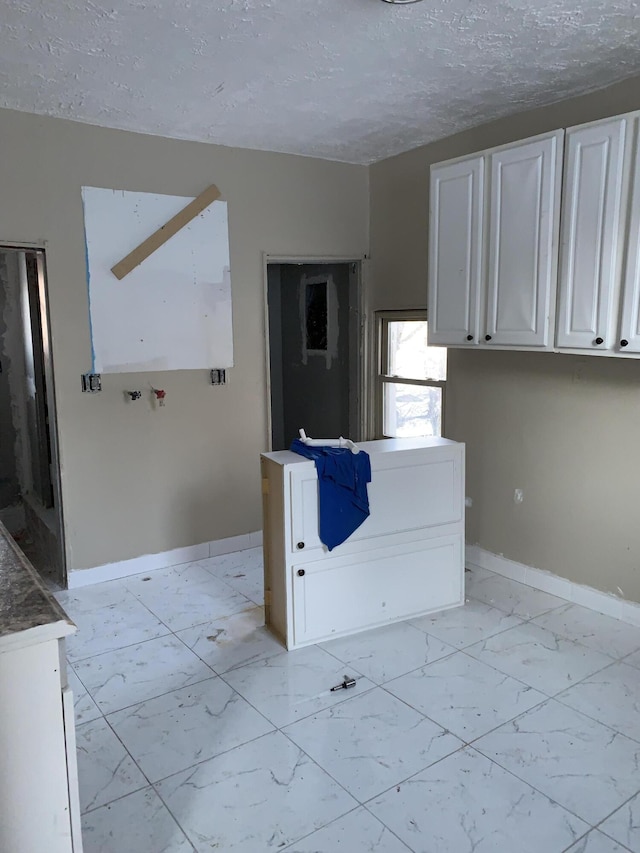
x,y
309,348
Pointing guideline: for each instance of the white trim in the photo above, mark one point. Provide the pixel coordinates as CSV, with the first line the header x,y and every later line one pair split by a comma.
x,y
235,543
70,745
149,562
576,593
311,259
36,635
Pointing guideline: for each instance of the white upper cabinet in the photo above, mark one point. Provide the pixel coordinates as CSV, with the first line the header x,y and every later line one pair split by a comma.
x,y
455,251
523,239
536,245
591,235
493,237
629,340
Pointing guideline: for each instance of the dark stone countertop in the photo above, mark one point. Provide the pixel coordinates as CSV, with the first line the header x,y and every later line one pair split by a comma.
x,y
25,603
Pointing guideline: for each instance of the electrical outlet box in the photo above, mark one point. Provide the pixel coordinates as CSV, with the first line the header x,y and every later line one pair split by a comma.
x,y
91,383
218,376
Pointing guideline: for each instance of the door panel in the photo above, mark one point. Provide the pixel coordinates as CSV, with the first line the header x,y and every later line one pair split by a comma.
x,y
523,229
417,495
328,599
455,251
590,234
310,352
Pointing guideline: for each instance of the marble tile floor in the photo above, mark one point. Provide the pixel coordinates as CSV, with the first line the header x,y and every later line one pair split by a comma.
x,y
511,725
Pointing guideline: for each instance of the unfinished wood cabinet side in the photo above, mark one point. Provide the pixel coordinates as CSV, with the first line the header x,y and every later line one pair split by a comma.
x,y
275,573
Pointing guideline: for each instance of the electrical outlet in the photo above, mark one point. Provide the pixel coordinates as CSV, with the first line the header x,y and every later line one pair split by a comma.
x,y
91,383
218,376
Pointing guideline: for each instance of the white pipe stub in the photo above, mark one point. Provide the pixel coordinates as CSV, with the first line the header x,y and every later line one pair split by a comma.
x,y
329,442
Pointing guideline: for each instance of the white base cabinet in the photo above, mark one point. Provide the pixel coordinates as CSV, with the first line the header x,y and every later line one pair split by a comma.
x,y
39,802
39,808
407,559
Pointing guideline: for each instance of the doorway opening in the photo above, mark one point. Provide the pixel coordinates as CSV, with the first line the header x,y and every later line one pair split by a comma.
x,y
30,505
314,344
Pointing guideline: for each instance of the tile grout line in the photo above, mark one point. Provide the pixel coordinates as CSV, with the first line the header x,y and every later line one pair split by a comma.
x,y
381,685
507,770
464,650
604,819
547,698
306,716
539,689
104,717
150,784
170,631
119,648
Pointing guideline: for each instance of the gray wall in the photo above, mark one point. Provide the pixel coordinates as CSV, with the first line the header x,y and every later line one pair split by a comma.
x,y
134,480
9,485
563,428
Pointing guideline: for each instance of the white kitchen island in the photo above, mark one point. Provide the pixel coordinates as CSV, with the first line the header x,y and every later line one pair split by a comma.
x,y
405,560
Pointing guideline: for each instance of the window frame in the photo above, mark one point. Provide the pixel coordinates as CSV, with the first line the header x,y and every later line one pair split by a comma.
x,y
382,319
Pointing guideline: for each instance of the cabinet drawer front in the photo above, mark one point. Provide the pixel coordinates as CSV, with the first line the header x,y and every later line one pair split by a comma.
x,y
343,595
523,240
413,496
590,229
455,251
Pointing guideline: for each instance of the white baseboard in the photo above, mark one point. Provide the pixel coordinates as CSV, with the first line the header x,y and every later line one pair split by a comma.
x,y
235,543
149,562
586,596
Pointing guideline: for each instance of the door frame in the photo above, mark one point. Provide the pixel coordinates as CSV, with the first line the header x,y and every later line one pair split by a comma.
x,y
40,250
357,348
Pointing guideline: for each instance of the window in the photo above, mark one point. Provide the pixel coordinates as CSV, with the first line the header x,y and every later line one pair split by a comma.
x,y
411,377
316,316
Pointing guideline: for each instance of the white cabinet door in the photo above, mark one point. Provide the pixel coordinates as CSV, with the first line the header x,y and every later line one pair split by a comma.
x,y
523,240
455,251
34,793
630,317
342,595
590,235
418,492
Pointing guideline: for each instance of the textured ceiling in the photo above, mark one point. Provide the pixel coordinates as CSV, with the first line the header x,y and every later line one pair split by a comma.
x,y
353,80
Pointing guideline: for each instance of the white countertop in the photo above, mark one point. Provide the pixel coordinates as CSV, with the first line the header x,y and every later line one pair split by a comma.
x,y
373,448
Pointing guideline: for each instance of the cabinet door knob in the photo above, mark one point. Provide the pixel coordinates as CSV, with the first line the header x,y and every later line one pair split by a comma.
x,y
469,337
300,546
487,337
301,573
599,341
624,343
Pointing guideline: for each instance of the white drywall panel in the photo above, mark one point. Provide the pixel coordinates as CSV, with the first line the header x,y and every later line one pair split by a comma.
x,y
173,311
